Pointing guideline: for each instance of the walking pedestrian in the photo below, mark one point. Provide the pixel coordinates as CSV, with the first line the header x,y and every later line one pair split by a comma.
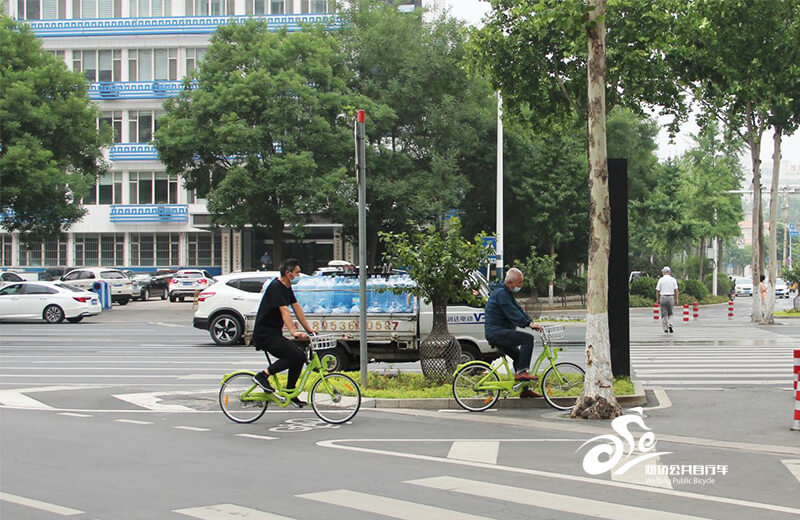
x,y
667,297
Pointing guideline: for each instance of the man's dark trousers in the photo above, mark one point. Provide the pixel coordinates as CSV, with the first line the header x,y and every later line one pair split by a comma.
x,y
516,345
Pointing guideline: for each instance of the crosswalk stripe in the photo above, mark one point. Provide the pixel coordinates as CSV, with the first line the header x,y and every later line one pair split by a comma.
x,y
254,436
131,421
38,504
476,451
740,382
228,512
385,506
553,501
710,370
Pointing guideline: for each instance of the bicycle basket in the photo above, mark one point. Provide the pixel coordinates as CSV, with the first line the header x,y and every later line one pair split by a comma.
x,y
555,332
323,342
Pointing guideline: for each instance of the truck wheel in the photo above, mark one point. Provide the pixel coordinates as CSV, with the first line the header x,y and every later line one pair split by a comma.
x,y
469,352
338,359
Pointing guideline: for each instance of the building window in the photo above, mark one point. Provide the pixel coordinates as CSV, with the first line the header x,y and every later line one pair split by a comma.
x,y
100,65
313,6
58,54
153,188
199,249
110,188
96,9
152,64
112,120
96,249
41,9
193,58
209,7
256,7
154,249
145,8
277,6
5,249
50,252
142,125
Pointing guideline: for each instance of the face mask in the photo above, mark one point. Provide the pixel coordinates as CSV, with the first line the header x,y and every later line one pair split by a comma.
x,y
516,289
295,280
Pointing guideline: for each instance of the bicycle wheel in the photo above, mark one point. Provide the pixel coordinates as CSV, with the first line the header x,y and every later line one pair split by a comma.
x,y
233,406
564,380
468,391
335,398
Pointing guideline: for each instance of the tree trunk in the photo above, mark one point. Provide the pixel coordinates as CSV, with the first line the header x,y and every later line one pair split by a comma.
x,y
597,400
754,142
701,256
439,353
769,312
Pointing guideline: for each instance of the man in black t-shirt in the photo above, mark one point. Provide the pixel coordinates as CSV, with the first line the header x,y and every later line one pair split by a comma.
x,y
273,315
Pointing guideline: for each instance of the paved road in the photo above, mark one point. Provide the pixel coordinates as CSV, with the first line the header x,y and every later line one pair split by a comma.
x,y
116,418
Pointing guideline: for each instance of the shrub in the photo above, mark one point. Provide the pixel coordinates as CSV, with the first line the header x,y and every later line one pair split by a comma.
x,y
644,287
640,301
693,288
724,284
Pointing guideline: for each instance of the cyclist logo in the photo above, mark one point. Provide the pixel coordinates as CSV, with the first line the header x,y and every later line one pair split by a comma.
x,y
612,447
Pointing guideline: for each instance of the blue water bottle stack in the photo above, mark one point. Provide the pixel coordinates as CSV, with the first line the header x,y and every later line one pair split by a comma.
x,y
340,294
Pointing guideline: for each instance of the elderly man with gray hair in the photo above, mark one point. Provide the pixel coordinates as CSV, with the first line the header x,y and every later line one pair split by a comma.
x,y
503,316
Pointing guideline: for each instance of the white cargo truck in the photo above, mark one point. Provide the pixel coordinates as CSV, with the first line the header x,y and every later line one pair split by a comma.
x,y
392,336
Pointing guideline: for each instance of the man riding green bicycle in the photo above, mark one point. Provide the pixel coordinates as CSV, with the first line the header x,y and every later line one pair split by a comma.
x,y
503,316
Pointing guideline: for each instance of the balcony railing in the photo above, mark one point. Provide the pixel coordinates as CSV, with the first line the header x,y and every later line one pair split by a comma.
x,y
133,152
149,213
111,90
169,25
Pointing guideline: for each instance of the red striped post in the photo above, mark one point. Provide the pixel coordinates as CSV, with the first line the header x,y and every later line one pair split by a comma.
x,y
686,313
730,309
655,311
695,310
796,425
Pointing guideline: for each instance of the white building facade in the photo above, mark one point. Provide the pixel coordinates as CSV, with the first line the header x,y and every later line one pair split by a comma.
x,y
135,53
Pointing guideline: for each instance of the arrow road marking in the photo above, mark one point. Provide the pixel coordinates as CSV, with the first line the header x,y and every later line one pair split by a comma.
x,y
15,397
476,451
793,465
38,504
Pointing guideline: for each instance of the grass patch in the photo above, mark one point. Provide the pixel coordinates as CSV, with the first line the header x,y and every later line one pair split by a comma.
x,y
788,314
410,385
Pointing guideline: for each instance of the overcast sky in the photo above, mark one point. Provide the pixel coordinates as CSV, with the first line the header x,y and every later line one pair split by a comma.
x,y
473,10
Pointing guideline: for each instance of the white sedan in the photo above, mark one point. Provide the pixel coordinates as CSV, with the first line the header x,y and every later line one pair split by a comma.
x,y
51,301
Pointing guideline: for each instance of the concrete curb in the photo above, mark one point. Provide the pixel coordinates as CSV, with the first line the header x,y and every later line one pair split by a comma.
x,y
638,398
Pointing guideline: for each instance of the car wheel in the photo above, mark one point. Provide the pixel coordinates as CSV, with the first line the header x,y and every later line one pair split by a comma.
x,y
181,298
335,359
172,298
76,319
124,301
164,295
145,295
226,329
53,314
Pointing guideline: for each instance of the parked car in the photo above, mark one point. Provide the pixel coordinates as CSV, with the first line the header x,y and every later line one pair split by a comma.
x,y
743,286
781,288
221,308
154,285
6,277
54,274
50,301
187,281
635,275
120,286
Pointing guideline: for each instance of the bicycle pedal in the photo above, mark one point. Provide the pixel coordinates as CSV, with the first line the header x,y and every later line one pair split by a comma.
x,y
517,387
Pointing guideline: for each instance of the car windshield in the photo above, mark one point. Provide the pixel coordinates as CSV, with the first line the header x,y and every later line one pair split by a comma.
x,y
189,275
68,287
112,275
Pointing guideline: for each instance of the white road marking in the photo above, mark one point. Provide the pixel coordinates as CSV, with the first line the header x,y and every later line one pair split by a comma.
x,y
15,398
554,501
637,473
478,451
744,370
70,414
38,504
131,421
793,465
165,324
253,436
192,428
228,512
741,382
553,475
663,399
152,401
201,376
385,506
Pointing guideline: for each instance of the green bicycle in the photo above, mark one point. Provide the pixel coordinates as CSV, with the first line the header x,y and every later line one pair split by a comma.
x,y
334,397
478,385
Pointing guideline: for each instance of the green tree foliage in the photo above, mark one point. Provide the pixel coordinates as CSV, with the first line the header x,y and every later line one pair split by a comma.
x,y
441,263
429,123
537,271
644,287
50,149
266,134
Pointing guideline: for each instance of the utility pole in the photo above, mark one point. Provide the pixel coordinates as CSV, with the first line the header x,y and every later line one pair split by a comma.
x,y
362,242
499,211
